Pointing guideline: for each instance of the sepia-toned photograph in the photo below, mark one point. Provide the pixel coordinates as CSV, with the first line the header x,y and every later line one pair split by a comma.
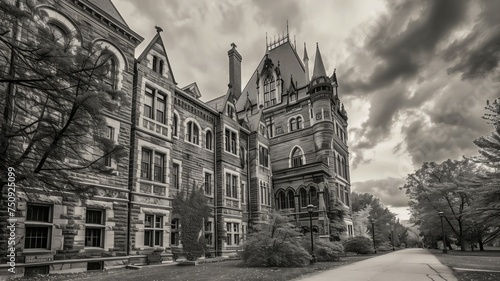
x,y
250,140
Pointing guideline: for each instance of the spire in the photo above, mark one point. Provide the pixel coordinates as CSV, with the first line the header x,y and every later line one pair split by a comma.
x,y
306,57
334,78
306,64
319,67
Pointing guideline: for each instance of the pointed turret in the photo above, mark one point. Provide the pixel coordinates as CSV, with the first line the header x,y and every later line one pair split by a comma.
x,y
319,67
306,63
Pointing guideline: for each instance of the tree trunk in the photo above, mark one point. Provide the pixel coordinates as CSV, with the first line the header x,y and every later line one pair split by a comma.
x,y
461,238
480,241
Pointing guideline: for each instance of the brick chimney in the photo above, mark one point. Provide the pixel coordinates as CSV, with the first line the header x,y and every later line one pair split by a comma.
x,y
235,70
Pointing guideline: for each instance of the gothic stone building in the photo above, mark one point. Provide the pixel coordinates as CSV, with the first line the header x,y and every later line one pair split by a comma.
x,y
281,143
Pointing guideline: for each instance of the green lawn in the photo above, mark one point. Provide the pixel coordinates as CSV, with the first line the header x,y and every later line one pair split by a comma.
x,y
464,264
217,271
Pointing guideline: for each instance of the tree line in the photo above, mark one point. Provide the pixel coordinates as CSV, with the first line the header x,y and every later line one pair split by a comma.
x,y
466,191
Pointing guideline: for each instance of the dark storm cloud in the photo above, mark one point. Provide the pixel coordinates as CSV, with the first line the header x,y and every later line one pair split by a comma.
x,y
482,45
386,189
400,54
416,49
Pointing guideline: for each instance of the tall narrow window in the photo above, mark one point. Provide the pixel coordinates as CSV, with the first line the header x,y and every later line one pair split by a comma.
x,y
175,126
174,232
148,103
303,198
338,166
111,72
145,164
175,176
282,200
94,228
292,124
208,184
314,196
192,134
291,199
209,233
208,140
110,135
263,156
159,167
153,230
160,108
160,68
297,157
155,63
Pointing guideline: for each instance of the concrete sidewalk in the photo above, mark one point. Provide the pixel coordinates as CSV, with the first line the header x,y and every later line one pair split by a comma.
x,y
403,265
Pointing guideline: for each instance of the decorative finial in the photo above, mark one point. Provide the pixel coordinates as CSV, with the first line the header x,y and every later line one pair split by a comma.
x,y
233,45
158,29
287,28
267,44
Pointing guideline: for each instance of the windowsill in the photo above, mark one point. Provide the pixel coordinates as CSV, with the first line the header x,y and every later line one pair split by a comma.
x,y
148,181
38,251
192,143
211,150
229,152
96,249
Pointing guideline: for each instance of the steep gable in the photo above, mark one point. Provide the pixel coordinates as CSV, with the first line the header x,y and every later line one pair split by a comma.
x,y
157,48
290,65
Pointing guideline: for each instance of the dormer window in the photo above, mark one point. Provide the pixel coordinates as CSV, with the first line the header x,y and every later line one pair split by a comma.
x,y
230,111
269,91
293,97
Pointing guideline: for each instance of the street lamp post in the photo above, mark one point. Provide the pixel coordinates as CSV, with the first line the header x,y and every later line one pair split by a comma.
x,y
392,238
373,235
441,215
310,209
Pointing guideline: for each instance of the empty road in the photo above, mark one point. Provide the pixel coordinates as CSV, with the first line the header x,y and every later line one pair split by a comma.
x,y
403,265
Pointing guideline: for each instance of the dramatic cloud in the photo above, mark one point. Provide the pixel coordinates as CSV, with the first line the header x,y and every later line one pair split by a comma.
x,y
386,189
414,75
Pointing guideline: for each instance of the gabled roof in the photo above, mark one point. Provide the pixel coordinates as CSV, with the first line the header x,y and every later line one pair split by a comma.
x,y
218,103
159,40
255,120
109,8
193,89
290,64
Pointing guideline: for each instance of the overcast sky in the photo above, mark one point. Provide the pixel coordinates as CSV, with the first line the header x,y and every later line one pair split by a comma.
x,y
414,75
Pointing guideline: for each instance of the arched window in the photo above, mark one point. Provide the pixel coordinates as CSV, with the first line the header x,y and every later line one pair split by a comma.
x,y
313,196
297,157
299,122
344,168
175,127
192,133
281,200
291,200
208,140
338,165
292,124
110,70
60,34
303,198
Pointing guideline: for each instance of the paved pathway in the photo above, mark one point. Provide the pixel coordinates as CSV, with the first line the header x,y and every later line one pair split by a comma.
x,y
403,265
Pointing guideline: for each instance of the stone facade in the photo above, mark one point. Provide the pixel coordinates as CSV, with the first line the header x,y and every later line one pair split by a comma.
x,y
281,145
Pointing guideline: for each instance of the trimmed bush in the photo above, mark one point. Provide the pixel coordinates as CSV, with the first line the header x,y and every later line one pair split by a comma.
x,y
274,242
358,245
324,250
